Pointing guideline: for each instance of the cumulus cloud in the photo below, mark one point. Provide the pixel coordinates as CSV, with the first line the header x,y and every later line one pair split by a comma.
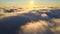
x,y
28,23
39,27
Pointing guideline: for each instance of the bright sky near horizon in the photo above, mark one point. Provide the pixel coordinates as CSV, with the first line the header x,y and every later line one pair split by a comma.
x,y
32,2
26,1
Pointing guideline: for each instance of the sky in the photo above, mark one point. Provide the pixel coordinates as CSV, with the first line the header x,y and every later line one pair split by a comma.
x,y
27,2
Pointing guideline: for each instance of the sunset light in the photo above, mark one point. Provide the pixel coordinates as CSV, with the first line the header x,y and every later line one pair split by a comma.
x,y
31,4
29,16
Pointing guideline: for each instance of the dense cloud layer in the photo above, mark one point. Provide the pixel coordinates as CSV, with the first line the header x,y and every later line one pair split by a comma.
x,y
14,24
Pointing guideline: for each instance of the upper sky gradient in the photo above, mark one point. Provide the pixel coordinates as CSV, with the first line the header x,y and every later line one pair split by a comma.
x,y
26,1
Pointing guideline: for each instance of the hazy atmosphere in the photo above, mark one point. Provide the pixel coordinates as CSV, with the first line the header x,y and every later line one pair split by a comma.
x,y
29,16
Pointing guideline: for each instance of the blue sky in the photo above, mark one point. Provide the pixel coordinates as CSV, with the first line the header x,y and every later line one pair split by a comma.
x,y
26,1
10,1
49,1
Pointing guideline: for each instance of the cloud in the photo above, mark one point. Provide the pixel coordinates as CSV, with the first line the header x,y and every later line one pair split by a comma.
x,y
27,23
